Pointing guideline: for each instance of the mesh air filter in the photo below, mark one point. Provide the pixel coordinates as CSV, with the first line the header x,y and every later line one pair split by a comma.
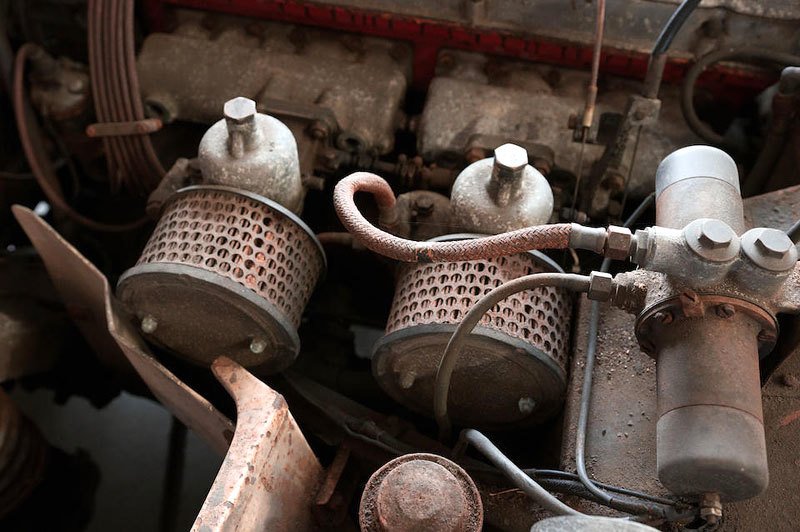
x,y
513,369
226,272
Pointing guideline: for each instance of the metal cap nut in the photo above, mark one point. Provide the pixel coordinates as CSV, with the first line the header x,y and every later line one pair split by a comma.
x,y
601,286
239,110
715,234
770,249
618,242
773,243
510,161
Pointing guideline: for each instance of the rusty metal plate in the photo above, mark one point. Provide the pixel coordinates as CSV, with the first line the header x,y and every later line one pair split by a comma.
x,y
269,477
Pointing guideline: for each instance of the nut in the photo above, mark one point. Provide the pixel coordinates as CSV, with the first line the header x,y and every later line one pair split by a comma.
x,y
257,346
726,310
510,161
239,110
664,316
601,286
618,242
715,234
149,324
773,243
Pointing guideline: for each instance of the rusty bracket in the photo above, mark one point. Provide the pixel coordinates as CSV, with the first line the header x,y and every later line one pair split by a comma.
x,y
120,129
270,475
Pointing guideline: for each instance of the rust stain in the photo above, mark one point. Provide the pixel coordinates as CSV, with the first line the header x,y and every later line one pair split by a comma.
x,y
789,418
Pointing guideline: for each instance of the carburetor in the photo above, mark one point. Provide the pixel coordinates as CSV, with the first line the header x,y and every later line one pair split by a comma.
x,y
522,343
230,266
706,296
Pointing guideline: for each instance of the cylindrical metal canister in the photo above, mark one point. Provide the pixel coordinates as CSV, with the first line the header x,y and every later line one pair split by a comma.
x,y
226,272
710,432
698,182
511,372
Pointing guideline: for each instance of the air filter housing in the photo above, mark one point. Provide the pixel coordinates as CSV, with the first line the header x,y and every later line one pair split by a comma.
x,y
512,370
226,272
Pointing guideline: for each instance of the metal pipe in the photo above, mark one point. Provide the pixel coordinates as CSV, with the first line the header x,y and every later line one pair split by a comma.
x,y
444,373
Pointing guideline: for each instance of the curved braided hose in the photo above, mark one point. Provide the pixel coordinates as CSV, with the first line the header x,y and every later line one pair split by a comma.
x,y
553,236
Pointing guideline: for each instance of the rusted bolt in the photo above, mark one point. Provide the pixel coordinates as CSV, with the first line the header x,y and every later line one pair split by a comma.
x,y
149,324
663,316
407,379
790,380
711,508
421,495
318,130
766,336
715,234
257,346
773,243
726,311
526,405
475,154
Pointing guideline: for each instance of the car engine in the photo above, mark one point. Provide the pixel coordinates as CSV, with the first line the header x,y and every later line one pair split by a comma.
x,y
399,266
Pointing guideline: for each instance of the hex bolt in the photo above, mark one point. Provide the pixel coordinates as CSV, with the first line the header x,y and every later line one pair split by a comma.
x,y
149,324
715,234
726,311
663,316
508,169
423,206
257,346
526,405
773,243
240,119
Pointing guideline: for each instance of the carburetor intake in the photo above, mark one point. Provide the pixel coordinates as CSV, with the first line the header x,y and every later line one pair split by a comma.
x,y
230,266
522,343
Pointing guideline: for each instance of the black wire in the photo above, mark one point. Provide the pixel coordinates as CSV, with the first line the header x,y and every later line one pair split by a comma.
x,y
673,25
794,232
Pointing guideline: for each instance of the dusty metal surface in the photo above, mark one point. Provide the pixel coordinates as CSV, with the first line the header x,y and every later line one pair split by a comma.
x,y
353,85
422,492
475,96
241,266
270,475
254,152
522,343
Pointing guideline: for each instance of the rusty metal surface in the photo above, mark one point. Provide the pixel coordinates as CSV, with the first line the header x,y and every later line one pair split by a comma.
x,y
270,475
23,455
421,492
241,266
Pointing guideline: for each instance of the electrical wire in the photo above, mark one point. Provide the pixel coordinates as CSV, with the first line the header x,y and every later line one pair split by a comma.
x,y
658,56
794,232
700,128
444,373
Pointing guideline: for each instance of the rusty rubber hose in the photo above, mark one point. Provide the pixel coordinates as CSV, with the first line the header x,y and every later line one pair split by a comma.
x,y
553,236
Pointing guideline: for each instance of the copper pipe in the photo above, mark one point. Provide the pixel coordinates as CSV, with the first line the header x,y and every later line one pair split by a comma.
x,y
591,92
554,236
31,139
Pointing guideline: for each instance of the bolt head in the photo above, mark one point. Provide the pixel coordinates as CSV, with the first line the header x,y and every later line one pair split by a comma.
x,y
257,346
726,310
715,234
149,324
773,243
526,405
240,110
510,160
